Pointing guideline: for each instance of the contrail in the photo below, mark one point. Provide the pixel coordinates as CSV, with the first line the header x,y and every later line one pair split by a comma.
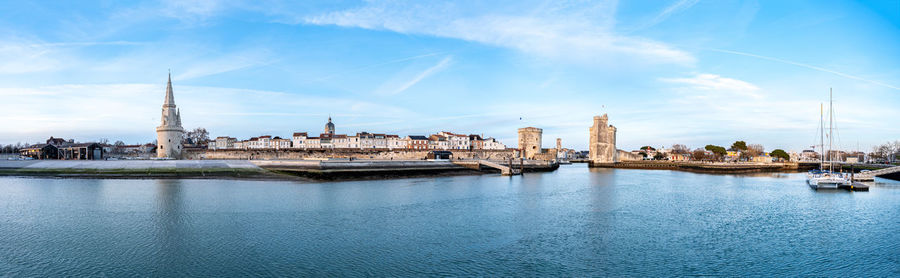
x,y
805,66
378,64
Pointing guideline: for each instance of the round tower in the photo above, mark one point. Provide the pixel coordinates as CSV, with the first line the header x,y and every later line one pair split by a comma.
x,y
169,132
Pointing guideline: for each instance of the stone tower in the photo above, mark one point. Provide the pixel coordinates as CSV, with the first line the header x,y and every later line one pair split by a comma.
x,y
329,127
530,141
603,141
558,144
169,132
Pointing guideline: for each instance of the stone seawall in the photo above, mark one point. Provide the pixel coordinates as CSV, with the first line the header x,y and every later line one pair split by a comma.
x,y
323,154
708,167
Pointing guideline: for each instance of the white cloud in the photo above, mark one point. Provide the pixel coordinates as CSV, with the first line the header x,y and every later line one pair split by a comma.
x,y
566,33
18,57
131,111
714,82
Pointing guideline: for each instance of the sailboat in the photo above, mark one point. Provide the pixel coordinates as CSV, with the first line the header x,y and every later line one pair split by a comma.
x,y
822,178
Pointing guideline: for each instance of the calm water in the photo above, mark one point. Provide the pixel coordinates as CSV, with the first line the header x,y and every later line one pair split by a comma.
x,y
572,222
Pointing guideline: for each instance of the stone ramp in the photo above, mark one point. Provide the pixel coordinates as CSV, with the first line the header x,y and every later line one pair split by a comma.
x,y
872,174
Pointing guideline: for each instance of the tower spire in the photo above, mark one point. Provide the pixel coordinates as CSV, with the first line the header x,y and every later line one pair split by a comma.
x,y
170,96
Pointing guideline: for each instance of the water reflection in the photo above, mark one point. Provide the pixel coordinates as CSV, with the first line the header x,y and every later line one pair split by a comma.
x,y
572,222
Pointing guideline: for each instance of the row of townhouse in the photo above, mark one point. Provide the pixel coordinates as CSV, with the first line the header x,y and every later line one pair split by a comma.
x,y
362,140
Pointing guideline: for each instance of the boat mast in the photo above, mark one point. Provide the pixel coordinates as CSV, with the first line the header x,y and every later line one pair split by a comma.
x,y
830,128
822,136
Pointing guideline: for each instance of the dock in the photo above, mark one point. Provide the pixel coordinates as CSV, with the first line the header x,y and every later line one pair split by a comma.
x,y
855,186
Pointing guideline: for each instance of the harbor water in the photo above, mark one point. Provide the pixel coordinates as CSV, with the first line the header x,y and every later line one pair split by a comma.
x,y
572,222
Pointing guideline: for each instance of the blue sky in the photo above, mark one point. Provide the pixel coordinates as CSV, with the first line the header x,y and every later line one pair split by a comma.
x,y
690,72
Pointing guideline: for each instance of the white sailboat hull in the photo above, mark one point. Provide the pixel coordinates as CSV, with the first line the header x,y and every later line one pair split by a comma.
x,y
820,182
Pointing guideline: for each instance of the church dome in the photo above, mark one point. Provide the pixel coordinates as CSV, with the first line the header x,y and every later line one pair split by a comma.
x,y
329,127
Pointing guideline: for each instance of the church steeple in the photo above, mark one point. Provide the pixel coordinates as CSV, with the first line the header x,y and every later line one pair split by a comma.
x,y
169,133
170,95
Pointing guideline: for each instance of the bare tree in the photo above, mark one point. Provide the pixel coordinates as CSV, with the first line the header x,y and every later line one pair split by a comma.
x,y
680,149
197,136
755,150
699,155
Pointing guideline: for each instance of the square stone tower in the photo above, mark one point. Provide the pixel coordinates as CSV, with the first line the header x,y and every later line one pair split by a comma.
x,y
603,141
530,141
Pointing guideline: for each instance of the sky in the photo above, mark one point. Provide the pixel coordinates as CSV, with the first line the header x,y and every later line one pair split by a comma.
x,y
666,71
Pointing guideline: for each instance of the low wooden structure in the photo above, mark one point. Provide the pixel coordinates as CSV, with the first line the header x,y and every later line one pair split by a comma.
x,y
41,151
439,155
83,151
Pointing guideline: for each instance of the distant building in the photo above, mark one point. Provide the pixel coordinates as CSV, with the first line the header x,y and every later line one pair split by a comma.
x,y
329,127
602,144
492,144
476,142
395,142
530,141
40,151
169,133
416,142
83,151
298,141
222,143
340,141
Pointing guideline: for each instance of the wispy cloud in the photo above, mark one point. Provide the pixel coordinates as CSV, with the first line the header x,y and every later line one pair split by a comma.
x,y
18,57
677,7
807,66
718,84
441,65
564,33
361,68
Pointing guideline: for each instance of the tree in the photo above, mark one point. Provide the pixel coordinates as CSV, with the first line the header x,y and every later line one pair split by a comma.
x,y
680,149
643,154
698,155
755,150
895,150
119,143
717,150
780,154
103,141
659,156
648,148
739,146
197,136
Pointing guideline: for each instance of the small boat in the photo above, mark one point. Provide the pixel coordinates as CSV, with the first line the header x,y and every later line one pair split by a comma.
x,y
821,178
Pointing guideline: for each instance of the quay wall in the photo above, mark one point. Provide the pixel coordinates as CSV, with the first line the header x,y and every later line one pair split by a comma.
x,y
324,154
710,167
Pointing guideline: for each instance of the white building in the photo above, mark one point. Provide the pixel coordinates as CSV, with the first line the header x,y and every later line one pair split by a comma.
x,y
456,141
279,143
438,142
340,141
223,142
298,140
492,144
395,142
